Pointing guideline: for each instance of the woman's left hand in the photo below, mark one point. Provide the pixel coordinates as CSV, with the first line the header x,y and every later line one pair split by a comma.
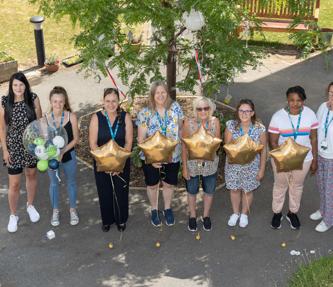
x,y
260,175
314,166
115,173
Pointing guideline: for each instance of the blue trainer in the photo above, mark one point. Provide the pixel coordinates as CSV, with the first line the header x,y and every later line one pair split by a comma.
x,y
169,219
155,219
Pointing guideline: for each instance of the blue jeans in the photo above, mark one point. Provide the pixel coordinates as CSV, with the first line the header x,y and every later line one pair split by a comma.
x,y
208,184
69,168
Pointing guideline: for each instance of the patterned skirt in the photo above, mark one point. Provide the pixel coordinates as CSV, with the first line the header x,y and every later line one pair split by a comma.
x,y
325,187
242,177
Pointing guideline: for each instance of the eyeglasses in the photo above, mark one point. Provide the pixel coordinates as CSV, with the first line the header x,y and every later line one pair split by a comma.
x,y
206,109
245,112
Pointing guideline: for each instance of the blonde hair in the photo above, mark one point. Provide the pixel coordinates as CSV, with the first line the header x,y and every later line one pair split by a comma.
x,y
210,103
153,89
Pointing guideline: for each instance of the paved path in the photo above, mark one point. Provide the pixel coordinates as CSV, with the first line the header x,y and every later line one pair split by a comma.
x,y
79,256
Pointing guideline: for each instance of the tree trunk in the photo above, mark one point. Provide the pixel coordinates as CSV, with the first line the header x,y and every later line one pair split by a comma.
x,y
171,70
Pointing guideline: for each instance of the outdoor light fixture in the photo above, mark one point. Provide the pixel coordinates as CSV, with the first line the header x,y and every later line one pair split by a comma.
x,y
39,39
194,20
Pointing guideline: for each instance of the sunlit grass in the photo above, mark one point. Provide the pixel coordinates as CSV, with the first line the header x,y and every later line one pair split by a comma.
x,y
17,33
319,273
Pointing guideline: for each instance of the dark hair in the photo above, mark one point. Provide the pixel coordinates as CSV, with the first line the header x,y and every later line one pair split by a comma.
x,y
109,91
297,90
61,91
246,102
29,103
329,86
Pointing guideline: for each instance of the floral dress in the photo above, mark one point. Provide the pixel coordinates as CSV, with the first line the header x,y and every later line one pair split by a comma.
x,y
148,119
20,158
243,177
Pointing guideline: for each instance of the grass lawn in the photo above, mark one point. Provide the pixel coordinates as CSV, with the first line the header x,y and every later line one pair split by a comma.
x,y
325,21
17,33
318,273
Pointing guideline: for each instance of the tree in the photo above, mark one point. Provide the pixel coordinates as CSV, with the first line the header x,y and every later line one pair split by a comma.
x,y
102,40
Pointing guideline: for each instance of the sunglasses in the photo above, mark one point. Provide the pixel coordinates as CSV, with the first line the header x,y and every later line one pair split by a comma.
x,y
206,109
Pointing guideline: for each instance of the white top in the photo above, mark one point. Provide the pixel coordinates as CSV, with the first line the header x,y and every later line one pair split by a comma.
x,y
280,124
321,115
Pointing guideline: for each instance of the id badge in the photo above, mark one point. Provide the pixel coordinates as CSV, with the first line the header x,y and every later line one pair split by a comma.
x,y
323,144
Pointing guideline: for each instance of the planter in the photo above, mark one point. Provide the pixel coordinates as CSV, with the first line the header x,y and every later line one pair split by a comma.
x,y
51,68
7,69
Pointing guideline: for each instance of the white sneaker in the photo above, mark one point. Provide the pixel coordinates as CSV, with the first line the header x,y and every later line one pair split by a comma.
x,y
316,215
12,224
243,220
55,218
33,214
233,219
322,227
74,218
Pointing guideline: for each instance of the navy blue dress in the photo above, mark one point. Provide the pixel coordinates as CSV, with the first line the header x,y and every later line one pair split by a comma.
x,y
113,202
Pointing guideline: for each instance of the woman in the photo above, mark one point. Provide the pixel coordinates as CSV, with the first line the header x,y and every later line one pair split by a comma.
x,y
61,116
166,116
242,180
325,164
18,109
112,123
300,123
193,170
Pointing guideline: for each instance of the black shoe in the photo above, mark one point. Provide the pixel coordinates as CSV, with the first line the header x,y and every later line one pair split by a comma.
x,y
121,227
276,220
105,227
192,224
207,224
293,220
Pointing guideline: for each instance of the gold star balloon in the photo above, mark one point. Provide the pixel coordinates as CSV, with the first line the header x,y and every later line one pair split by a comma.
x,y
242,150
110,157
202,145
157,148
289,156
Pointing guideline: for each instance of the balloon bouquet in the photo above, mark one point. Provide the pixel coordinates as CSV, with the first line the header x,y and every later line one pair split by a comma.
x,y
45,143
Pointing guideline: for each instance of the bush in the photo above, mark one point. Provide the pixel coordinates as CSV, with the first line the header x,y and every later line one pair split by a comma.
x,y
5,57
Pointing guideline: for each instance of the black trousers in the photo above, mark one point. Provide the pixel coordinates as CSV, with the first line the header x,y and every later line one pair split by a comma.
x,y
113,201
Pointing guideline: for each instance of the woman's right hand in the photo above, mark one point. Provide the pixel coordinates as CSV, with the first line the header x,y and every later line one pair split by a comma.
x,y
156,165
185,173
6,158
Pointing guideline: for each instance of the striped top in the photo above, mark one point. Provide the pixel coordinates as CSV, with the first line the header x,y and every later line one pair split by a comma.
x,y
281,124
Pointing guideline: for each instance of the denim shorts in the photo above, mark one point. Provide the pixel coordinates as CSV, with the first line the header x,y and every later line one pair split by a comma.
x,y
208,184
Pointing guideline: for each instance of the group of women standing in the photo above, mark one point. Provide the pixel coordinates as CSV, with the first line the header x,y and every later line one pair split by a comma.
x,y
166,116
18,109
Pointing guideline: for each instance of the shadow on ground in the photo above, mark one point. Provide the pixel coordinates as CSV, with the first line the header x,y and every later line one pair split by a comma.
x,y
80,255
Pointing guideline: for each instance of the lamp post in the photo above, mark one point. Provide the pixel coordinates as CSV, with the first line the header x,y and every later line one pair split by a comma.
x,y
39,39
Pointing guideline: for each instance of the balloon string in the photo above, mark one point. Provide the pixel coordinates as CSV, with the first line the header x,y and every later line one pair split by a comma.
x,y
157,197
115,201
123,180
57,175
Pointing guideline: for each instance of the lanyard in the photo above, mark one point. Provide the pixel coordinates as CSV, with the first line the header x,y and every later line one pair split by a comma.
x,y
327,123
163,126
61,121
113,133
295,131
206,125
242,132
